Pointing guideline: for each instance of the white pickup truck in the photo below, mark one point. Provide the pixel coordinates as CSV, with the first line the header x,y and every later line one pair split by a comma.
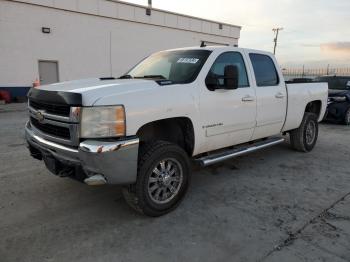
x,y
205,104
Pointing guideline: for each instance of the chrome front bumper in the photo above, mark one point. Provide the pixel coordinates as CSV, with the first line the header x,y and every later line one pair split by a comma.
x,y
116,161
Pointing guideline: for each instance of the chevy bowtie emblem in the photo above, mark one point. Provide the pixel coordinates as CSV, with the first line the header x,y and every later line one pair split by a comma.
x,y
40,116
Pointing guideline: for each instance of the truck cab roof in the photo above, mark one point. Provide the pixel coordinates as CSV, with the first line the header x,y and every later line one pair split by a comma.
x,y
221,48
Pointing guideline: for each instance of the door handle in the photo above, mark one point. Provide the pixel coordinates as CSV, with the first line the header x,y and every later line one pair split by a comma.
x,y
279,95
247,98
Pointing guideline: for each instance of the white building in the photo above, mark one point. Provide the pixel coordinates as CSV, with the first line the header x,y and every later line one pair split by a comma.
x,y
59,40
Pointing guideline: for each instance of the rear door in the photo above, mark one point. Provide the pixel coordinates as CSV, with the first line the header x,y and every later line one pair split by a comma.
x,y
271,95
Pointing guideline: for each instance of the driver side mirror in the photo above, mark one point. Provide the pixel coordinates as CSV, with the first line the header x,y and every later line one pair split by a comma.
x,y
228,81
231,77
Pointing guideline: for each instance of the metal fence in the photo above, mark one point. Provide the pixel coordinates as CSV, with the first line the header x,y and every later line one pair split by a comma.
x,y
290,73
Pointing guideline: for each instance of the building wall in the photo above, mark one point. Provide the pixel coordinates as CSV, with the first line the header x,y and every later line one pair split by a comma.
x,y
92,38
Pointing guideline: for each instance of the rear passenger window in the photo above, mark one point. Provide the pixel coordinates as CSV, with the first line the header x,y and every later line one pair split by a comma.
x,y
264,70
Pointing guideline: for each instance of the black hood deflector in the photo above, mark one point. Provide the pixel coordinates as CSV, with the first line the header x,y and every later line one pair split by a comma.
x,y
55,97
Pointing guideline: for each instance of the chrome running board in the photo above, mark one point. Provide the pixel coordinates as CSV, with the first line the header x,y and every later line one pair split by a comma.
x,y
235,152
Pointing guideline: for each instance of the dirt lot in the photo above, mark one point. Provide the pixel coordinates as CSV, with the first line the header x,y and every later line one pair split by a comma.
x,y
274,205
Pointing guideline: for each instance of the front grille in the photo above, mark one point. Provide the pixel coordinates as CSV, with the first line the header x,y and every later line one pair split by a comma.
x,y
62,110
57,131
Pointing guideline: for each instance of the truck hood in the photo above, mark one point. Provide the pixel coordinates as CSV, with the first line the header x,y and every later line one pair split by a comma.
x,y
94,89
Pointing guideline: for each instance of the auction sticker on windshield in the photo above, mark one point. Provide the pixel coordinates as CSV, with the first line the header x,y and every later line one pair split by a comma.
x,y
188,60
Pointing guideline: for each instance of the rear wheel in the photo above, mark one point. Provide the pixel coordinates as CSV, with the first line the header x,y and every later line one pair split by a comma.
x,y
305,137
347,117
163,177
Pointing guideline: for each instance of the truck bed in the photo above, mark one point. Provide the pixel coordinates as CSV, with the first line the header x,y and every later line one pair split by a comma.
x,y
299,95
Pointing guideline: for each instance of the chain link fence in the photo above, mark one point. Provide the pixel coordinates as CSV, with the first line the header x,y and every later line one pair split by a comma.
x,y
290,73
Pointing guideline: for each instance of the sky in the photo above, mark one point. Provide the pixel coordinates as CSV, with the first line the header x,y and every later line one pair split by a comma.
x,y
316,32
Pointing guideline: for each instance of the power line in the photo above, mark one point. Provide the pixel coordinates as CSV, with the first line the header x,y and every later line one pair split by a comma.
x,y
276,31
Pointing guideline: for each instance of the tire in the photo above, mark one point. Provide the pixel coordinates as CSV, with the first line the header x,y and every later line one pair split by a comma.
x,y
305,137
162,180
347,117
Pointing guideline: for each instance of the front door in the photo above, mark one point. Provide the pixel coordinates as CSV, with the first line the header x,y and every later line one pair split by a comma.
x,y
48,72
228,116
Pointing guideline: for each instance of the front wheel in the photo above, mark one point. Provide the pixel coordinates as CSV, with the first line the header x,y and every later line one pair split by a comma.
x,y
305,137
162,180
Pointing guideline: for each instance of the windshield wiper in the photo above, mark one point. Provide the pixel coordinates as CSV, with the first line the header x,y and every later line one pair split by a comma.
x,y
126,77
153,76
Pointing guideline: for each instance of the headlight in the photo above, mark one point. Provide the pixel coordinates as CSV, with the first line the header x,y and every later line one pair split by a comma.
x,y
339,98
106,121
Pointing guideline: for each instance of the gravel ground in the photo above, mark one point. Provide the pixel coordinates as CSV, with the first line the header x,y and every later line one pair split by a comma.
x,y
273,205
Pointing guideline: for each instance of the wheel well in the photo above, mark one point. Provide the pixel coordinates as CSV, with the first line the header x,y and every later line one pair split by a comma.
x,y
314,107
177,130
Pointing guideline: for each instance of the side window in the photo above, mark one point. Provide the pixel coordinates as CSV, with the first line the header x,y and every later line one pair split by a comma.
x,y
264,70
343,82
230,58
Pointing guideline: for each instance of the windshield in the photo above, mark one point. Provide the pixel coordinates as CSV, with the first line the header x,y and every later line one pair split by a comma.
x,y
336,82
178,67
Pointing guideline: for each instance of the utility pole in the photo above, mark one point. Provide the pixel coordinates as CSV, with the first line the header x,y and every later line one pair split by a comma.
x,y
149,8
276,31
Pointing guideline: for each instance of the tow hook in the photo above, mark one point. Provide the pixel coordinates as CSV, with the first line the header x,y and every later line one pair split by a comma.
x,y
66,172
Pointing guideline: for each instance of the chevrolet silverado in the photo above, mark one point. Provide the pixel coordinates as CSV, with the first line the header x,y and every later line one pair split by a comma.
x,y
143,129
